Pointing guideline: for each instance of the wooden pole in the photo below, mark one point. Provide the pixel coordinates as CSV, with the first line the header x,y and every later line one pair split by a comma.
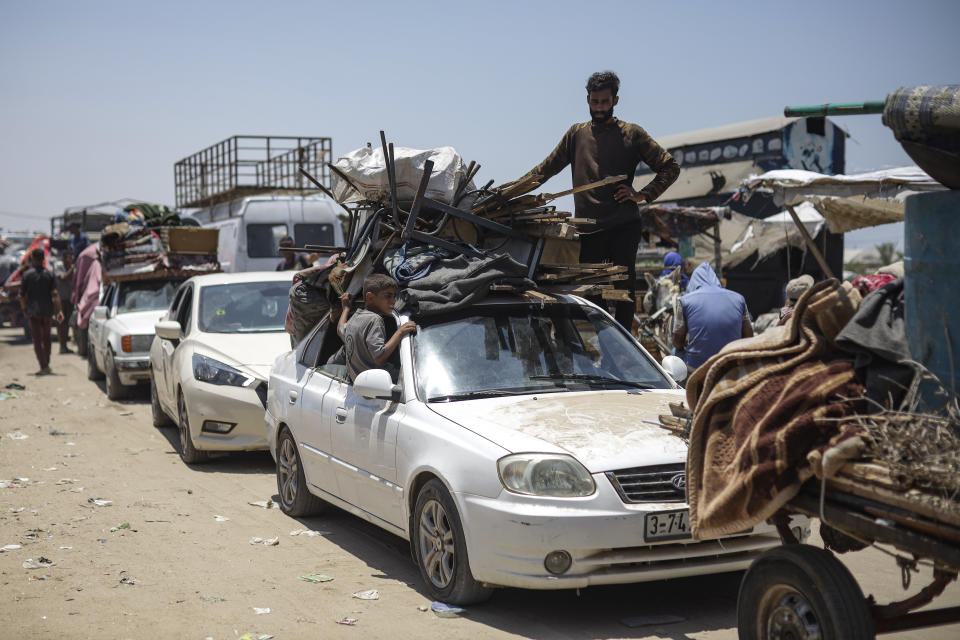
x,y
810,243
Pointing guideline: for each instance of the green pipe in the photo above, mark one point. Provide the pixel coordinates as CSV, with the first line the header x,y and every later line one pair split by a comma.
x,y
835,109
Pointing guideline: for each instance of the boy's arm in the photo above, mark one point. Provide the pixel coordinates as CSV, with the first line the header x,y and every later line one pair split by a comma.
x,y
394,341
345,301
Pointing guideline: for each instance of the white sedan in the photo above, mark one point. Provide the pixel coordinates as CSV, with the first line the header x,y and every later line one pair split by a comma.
x,y
515,449
211,357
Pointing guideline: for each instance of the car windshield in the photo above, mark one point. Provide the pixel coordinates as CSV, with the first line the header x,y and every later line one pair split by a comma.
x,y
511,349
148,295
243,307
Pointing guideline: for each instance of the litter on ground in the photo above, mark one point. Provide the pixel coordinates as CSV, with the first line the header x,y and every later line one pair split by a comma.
x,y
370,594
308,532
347,621
316,577
268,542
444,610
261,611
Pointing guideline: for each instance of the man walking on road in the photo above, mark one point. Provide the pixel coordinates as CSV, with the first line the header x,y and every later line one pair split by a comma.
x,y
598,149
63,270
40,302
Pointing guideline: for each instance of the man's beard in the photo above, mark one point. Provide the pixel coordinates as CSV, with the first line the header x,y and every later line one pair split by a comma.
x,y
599,117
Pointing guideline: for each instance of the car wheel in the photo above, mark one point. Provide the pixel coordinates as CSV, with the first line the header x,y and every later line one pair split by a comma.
x,y
160,419
93,371
799,591
295,499
188,453
115,390
440,549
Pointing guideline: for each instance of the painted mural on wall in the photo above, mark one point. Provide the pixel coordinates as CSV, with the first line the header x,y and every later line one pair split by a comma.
x,y
812,144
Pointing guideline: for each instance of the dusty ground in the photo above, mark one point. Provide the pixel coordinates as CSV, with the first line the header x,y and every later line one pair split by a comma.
x,y
180,573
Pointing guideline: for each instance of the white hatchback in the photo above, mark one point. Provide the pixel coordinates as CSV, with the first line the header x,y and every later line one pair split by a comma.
x,y
515,449
211,356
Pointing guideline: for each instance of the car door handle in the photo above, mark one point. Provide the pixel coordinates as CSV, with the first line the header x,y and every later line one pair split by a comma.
x,y
292,396
341,415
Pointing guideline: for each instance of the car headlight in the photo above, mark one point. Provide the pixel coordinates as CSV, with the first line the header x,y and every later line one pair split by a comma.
x,y
545,474
215,372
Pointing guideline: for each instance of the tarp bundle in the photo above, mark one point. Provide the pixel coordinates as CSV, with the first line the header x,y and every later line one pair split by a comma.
x,y
367,170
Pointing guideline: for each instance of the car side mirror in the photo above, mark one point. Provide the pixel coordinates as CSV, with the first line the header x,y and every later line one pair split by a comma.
x,y
100,312
676,367
376,384
168,329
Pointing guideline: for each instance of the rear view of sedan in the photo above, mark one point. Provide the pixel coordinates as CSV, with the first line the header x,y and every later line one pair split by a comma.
x,y
211,359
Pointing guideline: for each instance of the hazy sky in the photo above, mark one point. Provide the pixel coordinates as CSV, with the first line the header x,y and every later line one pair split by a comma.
x,y
99,99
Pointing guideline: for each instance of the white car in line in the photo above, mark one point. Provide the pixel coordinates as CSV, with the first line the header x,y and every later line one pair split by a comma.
x,y
211,357
121,330
515,449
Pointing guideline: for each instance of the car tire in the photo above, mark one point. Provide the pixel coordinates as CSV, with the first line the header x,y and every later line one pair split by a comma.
x,y
115,389
800,591
93,371
440,549
295,498
160,419
188,453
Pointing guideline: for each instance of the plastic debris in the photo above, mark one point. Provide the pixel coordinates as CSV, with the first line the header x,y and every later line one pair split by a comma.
x,y
16,435
50,469
15,510
220,518
316,577
44,576
8,396
16,386
127,580
370,594
644,621
65,548
56,432
444,610
214,598
125,526
348,621
309,533
261,611
255,636
268,542
77,490
67,480
264,504
10,547
423,607
100,502
39,563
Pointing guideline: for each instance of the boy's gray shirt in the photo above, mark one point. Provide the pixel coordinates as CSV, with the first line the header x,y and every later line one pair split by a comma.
x,y
364,337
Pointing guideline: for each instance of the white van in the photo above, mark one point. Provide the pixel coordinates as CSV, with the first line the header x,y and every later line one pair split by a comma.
x,y
251,228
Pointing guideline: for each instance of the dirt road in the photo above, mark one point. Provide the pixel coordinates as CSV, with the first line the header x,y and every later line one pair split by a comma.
x,y
181,572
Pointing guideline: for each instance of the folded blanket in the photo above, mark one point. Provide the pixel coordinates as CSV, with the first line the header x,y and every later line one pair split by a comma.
x,y
760,406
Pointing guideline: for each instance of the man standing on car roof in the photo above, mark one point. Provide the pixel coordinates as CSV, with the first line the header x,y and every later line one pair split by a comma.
x,y
605,147
40,303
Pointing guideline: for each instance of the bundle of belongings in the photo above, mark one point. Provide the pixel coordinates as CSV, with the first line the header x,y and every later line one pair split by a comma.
x,y
462,244
145,241
804,399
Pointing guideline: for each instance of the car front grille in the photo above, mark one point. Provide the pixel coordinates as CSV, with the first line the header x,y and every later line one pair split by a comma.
x,y
660,483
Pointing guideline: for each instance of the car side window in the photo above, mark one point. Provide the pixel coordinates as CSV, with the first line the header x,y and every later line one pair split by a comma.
x,y
311,352
183,313
174,306
107,295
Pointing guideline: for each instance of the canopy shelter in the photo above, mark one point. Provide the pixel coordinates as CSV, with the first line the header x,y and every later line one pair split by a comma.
x,y
673,222
847,202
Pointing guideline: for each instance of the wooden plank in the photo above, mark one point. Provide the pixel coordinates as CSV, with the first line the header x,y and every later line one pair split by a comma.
x,y
616,294
857,486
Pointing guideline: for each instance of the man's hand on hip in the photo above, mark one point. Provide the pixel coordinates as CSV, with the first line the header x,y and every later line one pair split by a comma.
x,y
626,193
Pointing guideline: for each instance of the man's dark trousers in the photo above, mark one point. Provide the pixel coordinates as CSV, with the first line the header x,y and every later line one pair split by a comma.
x,y
40,332
619,246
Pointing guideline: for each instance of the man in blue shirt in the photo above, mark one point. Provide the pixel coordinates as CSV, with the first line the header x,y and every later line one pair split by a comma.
x,y
710,317
79,240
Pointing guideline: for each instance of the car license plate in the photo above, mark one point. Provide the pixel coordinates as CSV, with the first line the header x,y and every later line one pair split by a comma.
x,y
666,525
